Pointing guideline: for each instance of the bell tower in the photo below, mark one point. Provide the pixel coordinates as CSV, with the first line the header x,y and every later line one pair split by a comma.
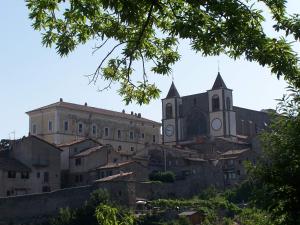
x,y
171,117
222,118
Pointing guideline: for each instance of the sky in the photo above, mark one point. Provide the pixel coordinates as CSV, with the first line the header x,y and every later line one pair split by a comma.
x,y
32,75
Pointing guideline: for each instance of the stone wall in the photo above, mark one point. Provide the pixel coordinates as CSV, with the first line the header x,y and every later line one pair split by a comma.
x,y
31,207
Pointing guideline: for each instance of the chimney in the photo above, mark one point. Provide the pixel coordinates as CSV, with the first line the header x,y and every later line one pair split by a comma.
x,y
123,111
85,104
139,115
131,113
61,100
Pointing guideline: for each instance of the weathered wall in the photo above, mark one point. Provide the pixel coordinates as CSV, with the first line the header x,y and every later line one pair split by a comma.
x,y
29,207
35,207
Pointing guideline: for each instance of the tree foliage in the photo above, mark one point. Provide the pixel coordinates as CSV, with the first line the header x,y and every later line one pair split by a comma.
x,y
166,177
277,174
147,32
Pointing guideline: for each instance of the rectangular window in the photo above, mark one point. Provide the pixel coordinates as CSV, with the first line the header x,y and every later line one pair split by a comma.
x,y
50,125
153,139
131,148
119,134
46,177
11,174
106,131
80,128
143,135
94,129
38,174
131,135
25,175
66,126
46,189
78,161
34,128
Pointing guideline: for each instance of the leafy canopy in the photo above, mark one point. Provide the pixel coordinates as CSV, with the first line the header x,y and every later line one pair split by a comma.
x,y
277,174
147,33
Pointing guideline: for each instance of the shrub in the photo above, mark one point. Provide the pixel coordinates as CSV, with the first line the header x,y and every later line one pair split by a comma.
x,y
166,177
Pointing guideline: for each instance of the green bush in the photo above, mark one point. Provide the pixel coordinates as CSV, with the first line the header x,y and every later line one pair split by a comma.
x,y
166,177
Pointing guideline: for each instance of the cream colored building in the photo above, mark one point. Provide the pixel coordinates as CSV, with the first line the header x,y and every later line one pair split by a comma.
x,y
63,122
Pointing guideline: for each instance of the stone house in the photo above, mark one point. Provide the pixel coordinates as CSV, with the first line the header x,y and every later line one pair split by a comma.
x,y
81,156
14,177
140,172
64,122
233,165
31,165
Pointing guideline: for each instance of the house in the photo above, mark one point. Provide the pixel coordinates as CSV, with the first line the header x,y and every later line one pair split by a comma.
x,y
81,156
233,165
30,165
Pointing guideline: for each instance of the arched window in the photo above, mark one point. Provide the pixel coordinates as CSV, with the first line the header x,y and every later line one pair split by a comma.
x,y
228,103
169,111
215,103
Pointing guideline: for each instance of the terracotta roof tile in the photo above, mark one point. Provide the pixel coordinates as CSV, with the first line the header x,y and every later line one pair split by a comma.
x,y
90,109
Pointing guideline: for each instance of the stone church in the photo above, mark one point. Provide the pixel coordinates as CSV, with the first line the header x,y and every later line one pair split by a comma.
x,y
210,114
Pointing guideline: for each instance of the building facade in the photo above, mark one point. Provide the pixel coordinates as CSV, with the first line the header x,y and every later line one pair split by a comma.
x,y
210,114
29,165
64,122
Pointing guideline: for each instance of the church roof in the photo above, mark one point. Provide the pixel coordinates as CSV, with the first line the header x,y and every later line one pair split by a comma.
x,y
219,83
173,93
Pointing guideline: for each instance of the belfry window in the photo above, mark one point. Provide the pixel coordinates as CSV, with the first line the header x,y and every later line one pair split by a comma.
x,y
169,111
215,103
228,103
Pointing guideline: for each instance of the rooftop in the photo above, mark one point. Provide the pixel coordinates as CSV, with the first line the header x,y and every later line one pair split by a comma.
x,y
235,152
114,177
12,164
86,108
88,151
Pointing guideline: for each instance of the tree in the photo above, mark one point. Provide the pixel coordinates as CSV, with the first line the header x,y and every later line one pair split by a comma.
x,y
276,177
148,32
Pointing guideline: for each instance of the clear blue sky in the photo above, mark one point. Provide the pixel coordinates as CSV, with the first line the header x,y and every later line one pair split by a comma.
x,y
34,76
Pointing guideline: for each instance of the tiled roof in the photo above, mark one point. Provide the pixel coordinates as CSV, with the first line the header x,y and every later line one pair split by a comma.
x,y
113,177
235,152
88,151
90,109
12,164
77,142
115,165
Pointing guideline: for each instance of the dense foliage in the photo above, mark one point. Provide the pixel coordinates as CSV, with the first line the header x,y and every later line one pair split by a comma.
x,y
166,177
146,33
277,175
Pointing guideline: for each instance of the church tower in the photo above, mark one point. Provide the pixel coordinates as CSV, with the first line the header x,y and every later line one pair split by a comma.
x,y
171,117
222,118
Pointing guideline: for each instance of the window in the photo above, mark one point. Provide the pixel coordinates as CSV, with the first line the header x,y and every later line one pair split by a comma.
x,y
119,148
38,174
94,130
34,128
80,127
66,126
215,103
169,111
228,103
153,138
119,134
131,135
25,175
50,125
46,189
131,148
106,131
143,135
46,177
11,174
78,161
238,172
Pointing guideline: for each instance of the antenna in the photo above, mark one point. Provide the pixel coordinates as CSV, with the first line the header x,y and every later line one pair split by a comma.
x,y
218,66
172,74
